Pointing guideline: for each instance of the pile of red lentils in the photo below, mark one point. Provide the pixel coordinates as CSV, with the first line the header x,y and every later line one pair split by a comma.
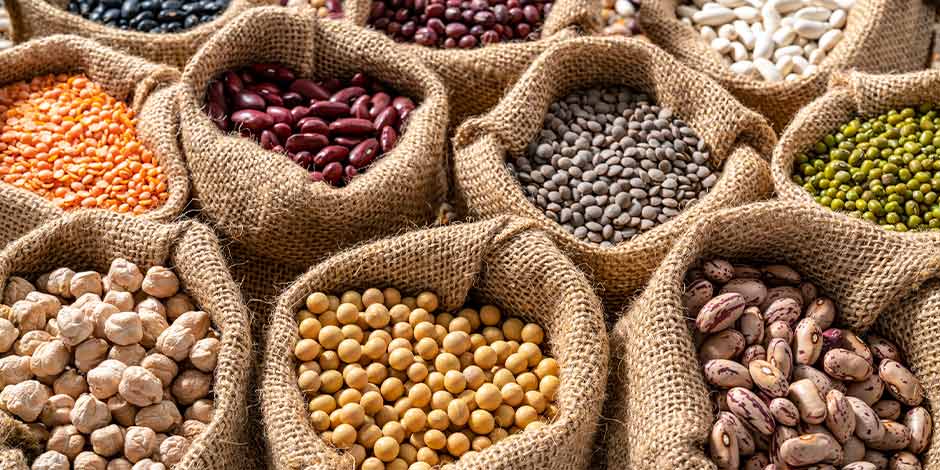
x,y
64,138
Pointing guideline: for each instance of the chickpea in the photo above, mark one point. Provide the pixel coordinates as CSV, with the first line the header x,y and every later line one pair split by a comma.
x,y
14,369
69,383
524,415
201,411
434,439
172,450
399,313
459,324
25,399
482,422
28,315
125,276
490,315
8,334
458,444
445,362
51,460
139,386
417,372
373,463
527,381
457,342
349,350
458,413
435,380
107,441
377,315
438,419
50,358
16,289
122,301
428,456
58,282
122,412
56,411
130,355
505,415
89,414
394,430
441,399
160,282
344,436
455,382
139,443
516,363
427,301
160,417
512,394
318,302
307,350
377,373
161,366
152,325
119,464
190,386
329,360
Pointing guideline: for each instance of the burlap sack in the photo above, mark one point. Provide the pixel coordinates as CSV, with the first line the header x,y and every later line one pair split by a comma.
x,y
145,86
882,36
477,78
92,239
38,18
659,414
497,261
850,95
264,201
736,136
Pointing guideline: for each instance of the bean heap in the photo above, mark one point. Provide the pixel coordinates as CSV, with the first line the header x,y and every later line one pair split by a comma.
x,y
334,129
400,387
149,16
609,165
885,169
791,390
459,23
325,8
770,40
64,138
619,17
107,371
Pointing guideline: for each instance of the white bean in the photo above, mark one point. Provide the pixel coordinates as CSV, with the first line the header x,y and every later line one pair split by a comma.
x,y
837,19
830,40
813,13
784,36
810,29
714,16
768,70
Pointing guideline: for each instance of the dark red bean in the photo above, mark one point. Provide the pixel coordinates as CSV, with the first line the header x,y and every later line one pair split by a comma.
x,y
284,74
332,85
308,142
425,37
378,10
272,72
515,14
452,14
467,42
280,114
329,109
252,119
333,172
233,83
218,115
409,29
388,139
269,140
437,26
247,77
347,94
403,116
309,89
450,43
312,125
359,79
353,126
330,154
216,93
387,118
299,112
350,172
348,141
380,101
402,103
292,99
489,37
364,153
316,176
360,107
265,88
278,149
282,131
435,11
523,30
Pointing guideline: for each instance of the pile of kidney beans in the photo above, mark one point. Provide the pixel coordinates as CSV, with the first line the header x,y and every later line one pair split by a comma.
x,y
332,128
459,23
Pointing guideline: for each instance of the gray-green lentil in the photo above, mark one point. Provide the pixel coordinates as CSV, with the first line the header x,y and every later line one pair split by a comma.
x,y
885,169
609,165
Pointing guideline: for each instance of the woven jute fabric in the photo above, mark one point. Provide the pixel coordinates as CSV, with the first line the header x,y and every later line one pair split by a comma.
x,y
266,202
145,86
850,95
38,18
92,239
737,137
659,414
477,78
881,36
499,261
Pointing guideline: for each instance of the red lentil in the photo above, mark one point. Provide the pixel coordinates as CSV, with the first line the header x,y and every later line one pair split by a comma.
x,y
64,138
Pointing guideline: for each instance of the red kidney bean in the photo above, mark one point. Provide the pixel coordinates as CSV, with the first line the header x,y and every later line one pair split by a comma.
x,y
333,172
360,107
246,99
354,126
308,142
363,154
329,109
280,114
269,140
347,94
347,125
312,125
389,117
282,131
309,89
388,138
330,154
252,119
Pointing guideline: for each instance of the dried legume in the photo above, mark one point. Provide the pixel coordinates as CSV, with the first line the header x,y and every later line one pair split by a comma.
x,y
769,40
6,29
461,24
398,384
64,138
325,8
809,394
149,16
619,17
885,169
334,129
102,382
609,165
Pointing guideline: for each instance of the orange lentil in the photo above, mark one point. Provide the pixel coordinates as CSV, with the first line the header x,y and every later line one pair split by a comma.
x,y
64,138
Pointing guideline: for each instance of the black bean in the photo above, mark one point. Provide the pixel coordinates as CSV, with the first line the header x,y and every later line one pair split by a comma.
x,y
158,16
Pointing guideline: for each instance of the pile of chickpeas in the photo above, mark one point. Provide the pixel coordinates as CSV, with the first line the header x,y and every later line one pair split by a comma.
x,y
399,385
109,372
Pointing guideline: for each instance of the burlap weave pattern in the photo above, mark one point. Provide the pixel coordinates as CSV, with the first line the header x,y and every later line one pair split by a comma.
x,y
92,239
477,78
266,202
39,18
736,137
881,36
145,86
498,261
659,414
